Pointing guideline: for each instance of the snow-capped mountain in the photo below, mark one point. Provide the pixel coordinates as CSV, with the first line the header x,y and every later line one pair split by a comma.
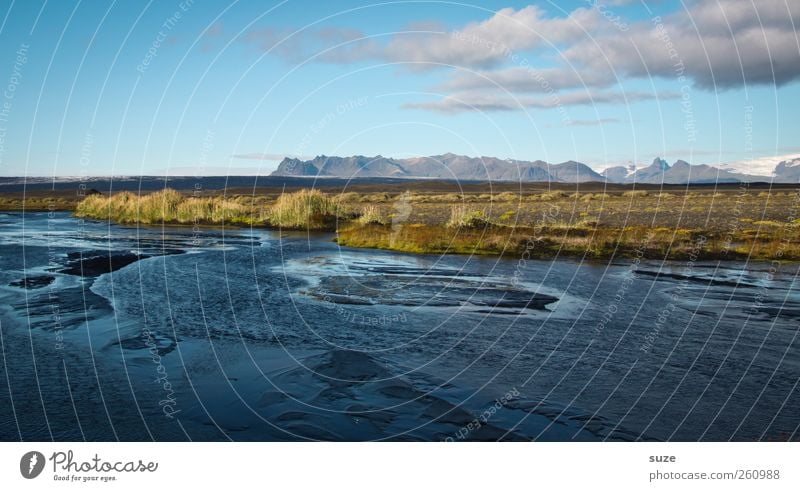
x,y
451,166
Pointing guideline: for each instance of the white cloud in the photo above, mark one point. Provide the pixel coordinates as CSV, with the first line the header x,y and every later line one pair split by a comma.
x,y
708,43
328,44
714,44
478,44
519,79
493,41
481,101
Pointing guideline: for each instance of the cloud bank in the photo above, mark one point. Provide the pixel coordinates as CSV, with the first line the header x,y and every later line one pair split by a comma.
x,y
709,44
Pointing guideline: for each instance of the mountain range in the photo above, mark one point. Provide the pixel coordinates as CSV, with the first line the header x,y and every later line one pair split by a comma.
x,y
460,167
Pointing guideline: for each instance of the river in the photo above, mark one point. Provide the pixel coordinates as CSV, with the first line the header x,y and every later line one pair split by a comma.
x,y
114,332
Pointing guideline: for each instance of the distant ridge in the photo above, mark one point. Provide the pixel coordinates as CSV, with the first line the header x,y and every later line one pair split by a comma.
x,y
447,166
452,166
681,172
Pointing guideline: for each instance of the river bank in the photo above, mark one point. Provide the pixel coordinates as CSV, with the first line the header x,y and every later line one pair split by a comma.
x,y
737,224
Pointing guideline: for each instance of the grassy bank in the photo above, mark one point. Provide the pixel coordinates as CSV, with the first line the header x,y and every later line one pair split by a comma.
x,y
305,209
734,225
593,243
37,203
740,225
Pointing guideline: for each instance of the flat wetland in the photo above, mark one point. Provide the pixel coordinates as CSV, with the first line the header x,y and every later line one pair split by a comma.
x,y
590,220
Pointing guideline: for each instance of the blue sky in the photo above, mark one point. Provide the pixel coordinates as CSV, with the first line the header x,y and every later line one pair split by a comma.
x,y
130,88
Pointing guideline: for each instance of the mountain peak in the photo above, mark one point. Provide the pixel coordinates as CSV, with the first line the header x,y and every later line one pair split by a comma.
x,y
680,164
290,166
659,163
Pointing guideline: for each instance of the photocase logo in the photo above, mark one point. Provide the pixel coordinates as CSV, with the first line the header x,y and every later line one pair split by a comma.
x,y
31,464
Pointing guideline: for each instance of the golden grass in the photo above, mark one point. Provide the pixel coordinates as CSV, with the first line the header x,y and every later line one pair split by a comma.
x,y
371,215
595,225
463,216
551,196
304,209
307,209
547,242
166,206
506,196
635,194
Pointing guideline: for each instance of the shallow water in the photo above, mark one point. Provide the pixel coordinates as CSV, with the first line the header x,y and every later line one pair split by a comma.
x,y
113,332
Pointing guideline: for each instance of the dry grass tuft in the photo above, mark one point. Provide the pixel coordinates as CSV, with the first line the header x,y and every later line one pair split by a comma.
x,y
461,216
304,209
635,194
371,215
